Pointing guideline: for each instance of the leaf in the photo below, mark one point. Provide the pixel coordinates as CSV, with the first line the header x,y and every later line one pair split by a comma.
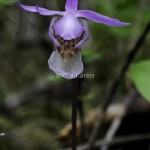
x,y
140,74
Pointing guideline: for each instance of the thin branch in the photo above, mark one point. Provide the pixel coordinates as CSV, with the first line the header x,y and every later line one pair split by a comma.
x,y
117,121
116,141
117,82
121,110
111,132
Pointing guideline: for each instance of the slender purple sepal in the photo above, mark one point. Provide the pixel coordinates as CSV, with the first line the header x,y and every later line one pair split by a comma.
x,y
96,17
71,5
46,12
28,8
40,10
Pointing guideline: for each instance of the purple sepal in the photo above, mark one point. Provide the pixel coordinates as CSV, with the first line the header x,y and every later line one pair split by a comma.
x,y
28,8
46,12
100,18
71,5
40,10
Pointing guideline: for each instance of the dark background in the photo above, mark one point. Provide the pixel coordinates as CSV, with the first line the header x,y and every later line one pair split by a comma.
x,y
34,103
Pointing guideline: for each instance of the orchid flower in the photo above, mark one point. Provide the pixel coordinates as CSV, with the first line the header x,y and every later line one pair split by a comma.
x,y
69,32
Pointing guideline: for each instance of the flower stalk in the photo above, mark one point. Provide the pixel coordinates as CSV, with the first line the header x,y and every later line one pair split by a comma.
x,y
74,114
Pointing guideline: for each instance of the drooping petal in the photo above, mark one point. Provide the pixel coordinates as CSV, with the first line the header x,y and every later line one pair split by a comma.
x,y
51,32
71,5
68,69
100,18
68,27
86,34
40,10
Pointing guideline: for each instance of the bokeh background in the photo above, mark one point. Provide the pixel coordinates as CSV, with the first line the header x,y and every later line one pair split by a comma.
x,y
34,103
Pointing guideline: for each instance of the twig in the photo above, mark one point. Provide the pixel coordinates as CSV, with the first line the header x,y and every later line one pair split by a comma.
x,y
117,121
116,141
74,114
111,132
117,82
122,109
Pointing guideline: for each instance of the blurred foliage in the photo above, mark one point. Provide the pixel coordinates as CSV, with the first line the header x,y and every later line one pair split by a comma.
x,y
4,2
25,49
140,74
